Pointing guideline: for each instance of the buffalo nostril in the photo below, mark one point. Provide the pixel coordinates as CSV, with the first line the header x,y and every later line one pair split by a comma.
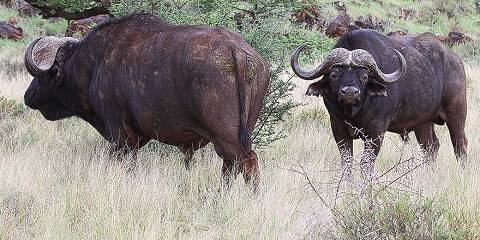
x,y
349,91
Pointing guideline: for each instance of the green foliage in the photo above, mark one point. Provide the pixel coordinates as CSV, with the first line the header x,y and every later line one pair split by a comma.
x,y
452,9
469,50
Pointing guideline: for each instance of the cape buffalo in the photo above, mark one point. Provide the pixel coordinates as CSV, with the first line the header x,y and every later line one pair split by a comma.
x,y
376,83
139,78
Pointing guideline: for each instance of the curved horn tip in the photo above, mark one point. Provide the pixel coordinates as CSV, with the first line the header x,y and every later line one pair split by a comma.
x,y
299,49
399,73
403,63
302,46
401,58
299,71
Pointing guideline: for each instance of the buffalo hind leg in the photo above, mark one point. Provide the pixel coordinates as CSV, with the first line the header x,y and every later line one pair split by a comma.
x,y
456,127
235,160
187,156
454,113
427,139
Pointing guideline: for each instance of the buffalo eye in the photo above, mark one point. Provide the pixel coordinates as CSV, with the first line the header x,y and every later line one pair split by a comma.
x,y
364,78
333,75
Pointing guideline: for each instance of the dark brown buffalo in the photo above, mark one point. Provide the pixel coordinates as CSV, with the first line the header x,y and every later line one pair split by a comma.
x,y
372,84
139,78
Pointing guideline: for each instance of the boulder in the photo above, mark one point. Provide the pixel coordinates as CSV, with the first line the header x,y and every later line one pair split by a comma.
x,y
339,25
370,22
9,31
396,33
79,28
456,37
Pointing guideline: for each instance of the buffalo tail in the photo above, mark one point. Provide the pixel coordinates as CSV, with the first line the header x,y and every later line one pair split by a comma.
x,y
244,97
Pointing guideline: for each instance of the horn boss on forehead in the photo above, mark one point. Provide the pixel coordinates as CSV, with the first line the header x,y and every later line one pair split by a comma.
x,y
363,58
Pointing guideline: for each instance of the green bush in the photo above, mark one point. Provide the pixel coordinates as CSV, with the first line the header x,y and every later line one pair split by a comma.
x,y
401,215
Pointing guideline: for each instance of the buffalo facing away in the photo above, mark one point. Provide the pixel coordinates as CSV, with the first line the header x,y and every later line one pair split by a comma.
x,y
139,78
400,84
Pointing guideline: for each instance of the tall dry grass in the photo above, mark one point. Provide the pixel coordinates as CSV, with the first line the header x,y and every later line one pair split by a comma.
x,y
57,181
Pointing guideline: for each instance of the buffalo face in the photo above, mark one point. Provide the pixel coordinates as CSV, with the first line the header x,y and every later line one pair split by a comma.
x,y
48,92
348,84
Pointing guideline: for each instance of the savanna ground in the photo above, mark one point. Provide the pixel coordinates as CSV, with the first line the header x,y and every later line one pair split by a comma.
x,y
58,181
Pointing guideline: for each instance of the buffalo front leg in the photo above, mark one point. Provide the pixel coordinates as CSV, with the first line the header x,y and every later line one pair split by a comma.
x,y
345,146
188,149
125,141
369,156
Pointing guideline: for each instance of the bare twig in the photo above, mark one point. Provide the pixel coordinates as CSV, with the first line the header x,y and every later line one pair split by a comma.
x,y
401,176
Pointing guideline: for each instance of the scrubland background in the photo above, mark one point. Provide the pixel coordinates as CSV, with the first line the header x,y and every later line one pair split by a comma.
x,y
58,181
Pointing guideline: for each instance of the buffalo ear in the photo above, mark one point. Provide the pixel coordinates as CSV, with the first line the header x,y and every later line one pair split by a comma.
x,y
56,72
319,88
376,89
57,76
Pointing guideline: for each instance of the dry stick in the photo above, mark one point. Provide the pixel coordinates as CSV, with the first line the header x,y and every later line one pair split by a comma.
x,y
410,190
309,182
400,162
338,190
395,166
399,177
356,131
